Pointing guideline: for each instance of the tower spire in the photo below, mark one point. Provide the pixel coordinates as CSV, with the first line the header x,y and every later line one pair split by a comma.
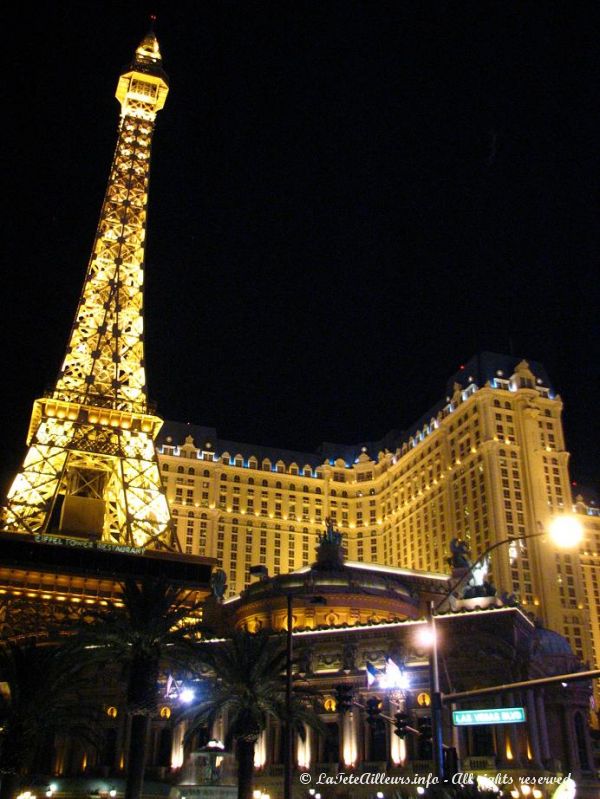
x,y
91,468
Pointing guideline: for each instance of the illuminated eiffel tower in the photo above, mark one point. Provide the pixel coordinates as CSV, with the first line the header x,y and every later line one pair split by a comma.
x,y
91,469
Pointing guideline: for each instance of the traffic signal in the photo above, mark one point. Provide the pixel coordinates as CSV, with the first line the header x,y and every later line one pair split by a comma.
x,y
374,708
424,727
343,697
402,721
425,747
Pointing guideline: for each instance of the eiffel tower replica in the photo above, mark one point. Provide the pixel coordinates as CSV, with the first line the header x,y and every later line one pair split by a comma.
x,y
91,470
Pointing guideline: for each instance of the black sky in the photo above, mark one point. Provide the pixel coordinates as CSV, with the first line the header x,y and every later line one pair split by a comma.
x,y
348,199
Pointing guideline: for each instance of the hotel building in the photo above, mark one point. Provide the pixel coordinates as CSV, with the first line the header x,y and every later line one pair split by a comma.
x,y
488,462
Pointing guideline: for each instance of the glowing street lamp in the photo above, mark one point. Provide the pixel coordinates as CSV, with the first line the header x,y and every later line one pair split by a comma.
x,y
565,531
187,696
424,636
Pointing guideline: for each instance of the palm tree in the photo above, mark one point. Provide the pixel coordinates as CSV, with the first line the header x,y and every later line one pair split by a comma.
x,y
155,626
43,692
247,683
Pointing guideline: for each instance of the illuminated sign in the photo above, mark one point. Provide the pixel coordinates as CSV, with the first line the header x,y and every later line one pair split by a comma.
x,y
82,543
492,715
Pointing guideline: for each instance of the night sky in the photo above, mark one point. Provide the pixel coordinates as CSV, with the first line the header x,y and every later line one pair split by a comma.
x,y
348,200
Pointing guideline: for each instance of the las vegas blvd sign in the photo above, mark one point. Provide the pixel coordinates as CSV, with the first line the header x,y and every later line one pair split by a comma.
x,y
492,715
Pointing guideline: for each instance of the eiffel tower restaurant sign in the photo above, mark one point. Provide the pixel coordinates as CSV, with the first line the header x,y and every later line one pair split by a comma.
x,y
81,543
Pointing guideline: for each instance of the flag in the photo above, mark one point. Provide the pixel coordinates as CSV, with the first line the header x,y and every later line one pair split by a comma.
x,y
395,676
372,673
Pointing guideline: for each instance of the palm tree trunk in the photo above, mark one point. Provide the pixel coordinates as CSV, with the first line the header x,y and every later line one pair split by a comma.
x,y
245,759
9,785
136,756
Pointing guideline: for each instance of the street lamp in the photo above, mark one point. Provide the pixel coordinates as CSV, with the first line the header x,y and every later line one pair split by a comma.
x,y
565,531
262,572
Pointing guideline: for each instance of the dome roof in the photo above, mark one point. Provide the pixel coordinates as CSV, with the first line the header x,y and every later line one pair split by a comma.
x,y
549,642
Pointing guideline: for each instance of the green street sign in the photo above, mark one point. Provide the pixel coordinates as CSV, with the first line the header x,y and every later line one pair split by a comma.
x,y
492,715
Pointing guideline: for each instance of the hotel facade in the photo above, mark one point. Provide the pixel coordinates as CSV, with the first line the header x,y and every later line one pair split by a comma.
x,y
488,462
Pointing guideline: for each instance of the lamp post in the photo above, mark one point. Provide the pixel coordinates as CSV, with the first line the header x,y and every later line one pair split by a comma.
x,y
437,740
262,572
566,532
289,730
289,738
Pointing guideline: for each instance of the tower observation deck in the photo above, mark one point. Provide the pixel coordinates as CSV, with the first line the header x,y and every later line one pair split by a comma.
x,y
91,469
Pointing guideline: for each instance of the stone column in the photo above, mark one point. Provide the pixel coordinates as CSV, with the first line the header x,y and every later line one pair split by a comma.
x,y
456,736
348,740
177,754
532,726
543,727
512,733
571,740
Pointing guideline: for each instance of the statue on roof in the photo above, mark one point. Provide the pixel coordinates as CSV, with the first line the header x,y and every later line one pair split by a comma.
x,y
330,554
459,558
478,585
331,535
218,584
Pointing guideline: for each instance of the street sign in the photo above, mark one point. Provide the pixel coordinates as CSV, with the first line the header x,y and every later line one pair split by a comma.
x,y
492,715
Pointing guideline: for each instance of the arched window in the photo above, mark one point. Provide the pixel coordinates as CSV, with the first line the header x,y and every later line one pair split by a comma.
x,y
264,483
317,490
333,492
206,473
180,469
236,478
165,467
251,481
191,470
331,745
223,477
165,744
278,484
109,754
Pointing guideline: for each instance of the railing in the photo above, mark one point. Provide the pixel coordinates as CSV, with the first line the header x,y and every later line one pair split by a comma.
x,y
479,763
330,769
421,766
372,766
275,770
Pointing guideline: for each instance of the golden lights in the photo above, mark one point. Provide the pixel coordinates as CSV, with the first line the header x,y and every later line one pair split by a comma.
x,y
91,468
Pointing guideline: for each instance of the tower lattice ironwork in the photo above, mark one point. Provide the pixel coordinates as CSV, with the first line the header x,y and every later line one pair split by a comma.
x,y
91,468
